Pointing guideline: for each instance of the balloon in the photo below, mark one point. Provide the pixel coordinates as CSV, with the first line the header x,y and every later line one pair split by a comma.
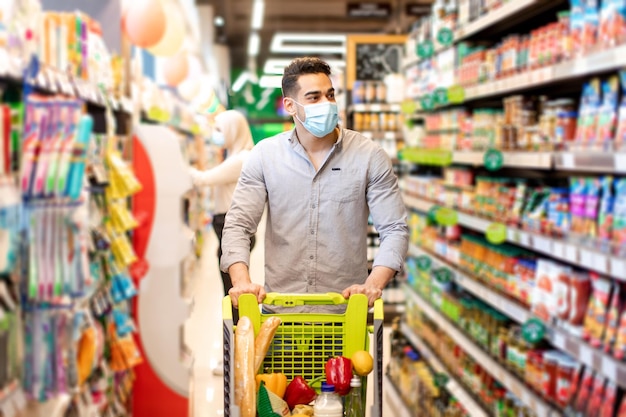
x,y
175,69
145,22
174,34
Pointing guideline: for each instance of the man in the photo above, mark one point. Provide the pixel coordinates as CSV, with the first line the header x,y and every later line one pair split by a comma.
x,y
320,182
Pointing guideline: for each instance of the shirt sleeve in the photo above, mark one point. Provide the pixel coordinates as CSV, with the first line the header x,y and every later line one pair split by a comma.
x,y
388,212
225,173
245,212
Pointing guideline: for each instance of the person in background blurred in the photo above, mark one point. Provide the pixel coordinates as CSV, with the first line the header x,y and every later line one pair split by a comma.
x,y
232,132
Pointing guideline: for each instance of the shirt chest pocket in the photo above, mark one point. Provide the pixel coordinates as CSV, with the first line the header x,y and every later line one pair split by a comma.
x,y
345,186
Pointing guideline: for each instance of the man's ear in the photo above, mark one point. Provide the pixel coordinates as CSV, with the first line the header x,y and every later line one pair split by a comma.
x,y
289,106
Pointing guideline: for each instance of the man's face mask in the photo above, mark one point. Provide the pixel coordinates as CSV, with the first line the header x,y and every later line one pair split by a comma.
x,y
321,118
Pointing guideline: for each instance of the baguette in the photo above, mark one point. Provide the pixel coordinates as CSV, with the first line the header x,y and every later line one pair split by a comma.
x,y
245,384
263,340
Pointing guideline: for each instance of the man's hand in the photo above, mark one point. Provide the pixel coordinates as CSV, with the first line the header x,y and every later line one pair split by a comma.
x,y
242,284
247,288
373,293
374,284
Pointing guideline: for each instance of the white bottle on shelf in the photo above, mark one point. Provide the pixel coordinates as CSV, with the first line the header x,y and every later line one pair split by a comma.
x,y
328,403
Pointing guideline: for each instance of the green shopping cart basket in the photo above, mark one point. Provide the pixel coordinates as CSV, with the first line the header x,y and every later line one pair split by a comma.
x,y
304,341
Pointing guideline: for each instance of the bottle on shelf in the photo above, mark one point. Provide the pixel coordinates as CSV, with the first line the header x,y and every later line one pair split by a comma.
x,y
328,403
354,400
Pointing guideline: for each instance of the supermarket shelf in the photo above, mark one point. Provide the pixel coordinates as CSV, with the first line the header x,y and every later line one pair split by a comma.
x,y
602,162
473,408
560,249
375,107
607,60
535,160
505,305
506,11
559,338
394,400
383,135
499,372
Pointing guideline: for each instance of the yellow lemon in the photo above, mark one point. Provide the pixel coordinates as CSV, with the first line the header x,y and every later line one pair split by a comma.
x,y
362,362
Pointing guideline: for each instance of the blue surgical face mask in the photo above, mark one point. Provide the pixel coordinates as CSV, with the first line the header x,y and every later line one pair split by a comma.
x,y
321,118
218,138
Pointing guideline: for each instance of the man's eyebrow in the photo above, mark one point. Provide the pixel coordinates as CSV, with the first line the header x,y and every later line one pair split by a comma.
x,y
317,92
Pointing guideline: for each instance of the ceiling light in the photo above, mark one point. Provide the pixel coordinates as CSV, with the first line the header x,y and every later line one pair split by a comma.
x,y
257,14
308,43
241,81
271,81
218,21
277,66
254,43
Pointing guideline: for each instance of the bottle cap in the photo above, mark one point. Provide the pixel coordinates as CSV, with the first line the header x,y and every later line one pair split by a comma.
x,y
355,382
326,387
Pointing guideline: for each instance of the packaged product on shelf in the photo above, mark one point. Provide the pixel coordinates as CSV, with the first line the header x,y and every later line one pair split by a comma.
x,y
577,196
587,114
619,348
595,318
609,401
619,217
591,21
607,114
612,317
583,390
592,202
620,132
605,215
597,395
579,299
612,29
566,375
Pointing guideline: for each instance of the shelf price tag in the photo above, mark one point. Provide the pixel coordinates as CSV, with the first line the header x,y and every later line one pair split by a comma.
x,y
425,49
445,216
428,102
496,233
456,94
408,106
440,96
493,160
445,36
443,275
533,330
423,263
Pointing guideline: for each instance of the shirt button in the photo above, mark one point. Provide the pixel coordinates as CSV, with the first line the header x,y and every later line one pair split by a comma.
x,y
312,232
312,205
311,257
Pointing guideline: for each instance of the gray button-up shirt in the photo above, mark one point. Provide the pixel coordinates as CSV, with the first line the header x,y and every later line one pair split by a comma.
x,y
316,234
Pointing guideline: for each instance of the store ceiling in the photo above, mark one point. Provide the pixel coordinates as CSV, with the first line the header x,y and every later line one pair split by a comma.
x,y
303,16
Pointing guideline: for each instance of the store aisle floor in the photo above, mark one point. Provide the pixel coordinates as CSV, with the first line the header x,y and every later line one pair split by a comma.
x,y
203,332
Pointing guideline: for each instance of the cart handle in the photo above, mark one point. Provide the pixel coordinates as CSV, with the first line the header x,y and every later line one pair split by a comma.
x,y
292,300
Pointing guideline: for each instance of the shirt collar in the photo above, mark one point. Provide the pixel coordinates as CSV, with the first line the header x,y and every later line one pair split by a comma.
x,y
293,138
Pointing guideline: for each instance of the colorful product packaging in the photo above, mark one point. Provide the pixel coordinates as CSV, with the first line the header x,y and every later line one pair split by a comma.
x,y
620,133
619,217
612,318
607,114
595,319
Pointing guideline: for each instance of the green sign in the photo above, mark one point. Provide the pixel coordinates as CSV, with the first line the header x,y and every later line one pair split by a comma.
x,y
445,36
496,233
441,380
425,49
493,160
445,216
533,330
443,275
456,94
428,102
423,263
408,106
441,96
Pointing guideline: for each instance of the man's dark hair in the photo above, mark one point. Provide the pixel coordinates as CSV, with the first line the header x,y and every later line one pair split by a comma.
x,y
298,67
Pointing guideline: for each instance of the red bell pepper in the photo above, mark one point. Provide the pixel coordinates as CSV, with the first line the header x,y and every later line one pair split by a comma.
x,y
339,373
299,392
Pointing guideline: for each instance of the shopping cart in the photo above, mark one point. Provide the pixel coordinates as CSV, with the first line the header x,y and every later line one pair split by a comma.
x,y
304,341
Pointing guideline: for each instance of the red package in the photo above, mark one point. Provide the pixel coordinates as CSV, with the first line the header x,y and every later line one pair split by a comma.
x,y
619,348
597,396
622,408
579,297
610,398
612,319
584,391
